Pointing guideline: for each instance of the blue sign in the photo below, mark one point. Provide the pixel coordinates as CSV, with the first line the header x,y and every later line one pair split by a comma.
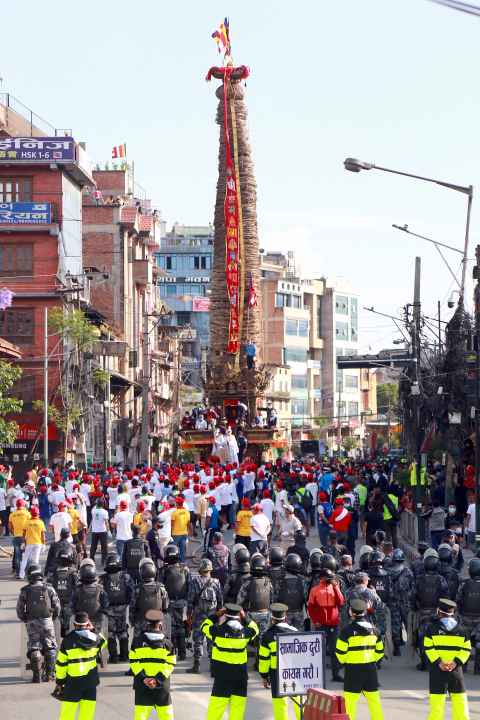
x,y
38,150
18,213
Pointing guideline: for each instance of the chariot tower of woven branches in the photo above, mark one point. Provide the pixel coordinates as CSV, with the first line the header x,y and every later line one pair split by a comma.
x,y
235,313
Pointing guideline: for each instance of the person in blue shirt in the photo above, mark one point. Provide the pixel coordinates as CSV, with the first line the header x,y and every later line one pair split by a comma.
x,y
326,481
250,352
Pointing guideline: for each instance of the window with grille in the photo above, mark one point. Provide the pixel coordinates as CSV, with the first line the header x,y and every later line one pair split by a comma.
x,y
15,189
16,260
17,325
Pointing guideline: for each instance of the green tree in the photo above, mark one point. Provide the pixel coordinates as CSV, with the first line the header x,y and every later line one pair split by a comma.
x,y
9,375
349,443
387,397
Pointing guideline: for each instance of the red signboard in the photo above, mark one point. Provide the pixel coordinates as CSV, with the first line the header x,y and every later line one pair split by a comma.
x,y
29,431
200,304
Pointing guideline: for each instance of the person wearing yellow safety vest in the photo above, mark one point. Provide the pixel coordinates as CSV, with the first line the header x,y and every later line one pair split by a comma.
x,y
359,648
230,631
76,672
447,649
391,516
152,660
267,660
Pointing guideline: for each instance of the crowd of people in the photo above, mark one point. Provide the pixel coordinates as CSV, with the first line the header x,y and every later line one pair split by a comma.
x,y
249,583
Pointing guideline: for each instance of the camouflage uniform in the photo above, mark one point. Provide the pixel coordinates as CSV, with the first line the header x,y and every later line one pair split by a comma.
x,y
376,613
204,598
403,590
137,614
40,631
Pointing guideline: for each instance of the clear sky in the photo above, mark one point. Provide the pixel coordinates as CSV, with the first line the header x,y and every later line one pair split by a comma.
x,y
389,81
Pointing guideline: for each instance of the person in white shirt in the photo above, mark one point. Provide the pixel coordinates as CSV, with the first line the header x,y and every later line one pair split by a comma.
x,y
471,525
312,488
289,524
122,521
268,506
188,494
147,497
3,510
112,492
99,527
224,496
56,496
248,484
59,520
261,527
201,423
124,496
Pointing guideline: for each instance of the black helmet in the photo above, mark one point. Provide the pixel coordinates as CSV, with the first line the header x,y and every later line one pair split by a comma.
x,y
431,563
474,568
300,537
65,559
445,554
377,558
34,573
113,564
258,565
398,556
171,554
88,574
148,570
364,561
277,556
328,562
422,546
328,574
293,564
379,536
244,568
316,561
242,555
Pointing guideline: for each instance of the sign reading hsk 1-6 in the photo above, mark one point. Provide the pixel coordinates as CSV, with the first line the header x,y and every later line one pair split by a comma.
x,y
41,149
300,663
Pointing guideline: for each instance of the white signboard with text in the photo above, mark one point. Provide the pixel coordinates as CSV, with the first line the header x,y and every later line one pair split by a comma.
x,y
300,662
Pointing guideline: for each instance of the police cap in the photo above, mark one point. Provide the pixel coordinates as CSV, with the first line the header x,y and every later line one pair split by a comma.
x,y
278,610
447,606
358,607
81,619
233,611
154,616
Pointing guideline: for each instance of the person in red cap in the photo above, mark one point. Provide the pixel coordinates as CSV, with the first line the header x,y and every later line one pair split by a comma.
x,y
17,522
34,536
243,526
340,520
60,520
180,525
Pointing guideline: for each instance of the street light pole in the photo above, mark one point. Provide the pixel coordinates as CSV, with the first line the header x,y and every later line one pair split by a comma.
x,y
45,386
476,275
355,165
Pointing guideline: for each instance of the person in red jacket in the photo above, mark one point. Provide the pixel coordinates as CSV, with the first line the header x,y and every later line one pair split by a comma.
x,y
323,607
340,520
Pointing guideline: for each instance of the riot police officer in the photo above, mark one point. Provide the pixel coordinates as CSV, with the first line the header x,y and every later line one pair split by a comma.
x,y
299,548
346,574
58,548
430,587
149,595
292,591
403,587
276,569
37,606
204,598
238,575
134,551
90,597
446,569
64,580
417,565
175,576
256,593
468,601
119,588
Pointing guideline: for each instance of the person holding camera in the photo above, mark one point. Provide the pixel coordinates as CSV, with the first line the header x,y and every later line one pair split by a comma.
x,y
323,607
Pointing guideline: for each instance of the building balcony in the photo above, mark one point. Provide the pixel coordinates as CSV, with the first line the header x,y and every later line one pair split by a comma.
x,y
277,395
142,272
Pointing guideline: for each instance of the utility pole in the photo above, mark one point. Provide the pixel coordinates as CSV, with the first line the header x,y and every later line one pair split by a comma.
x,y
339,420
476,275
416,352
107,419
439,328
45,386
144,443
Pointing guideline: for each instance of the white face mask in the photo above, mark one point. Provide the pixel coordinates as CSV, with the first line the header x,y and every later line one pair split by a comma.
x,y
88,634
153,636
452,509
448,622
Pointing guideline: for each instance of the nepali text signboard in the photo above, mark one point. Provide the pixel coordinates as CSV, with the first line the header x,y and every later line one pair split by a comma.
x,y
37,150
25,213
300,663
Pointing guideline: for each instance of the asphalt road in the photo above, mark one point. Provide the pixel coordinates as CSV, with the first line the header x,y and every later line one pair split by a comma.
x,y
403,688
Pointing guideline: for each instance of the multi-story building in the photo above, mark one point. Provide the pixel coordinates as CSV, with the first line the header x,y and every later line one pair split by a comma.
x,y
307,324
185,264
42,172
341,390
120,236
